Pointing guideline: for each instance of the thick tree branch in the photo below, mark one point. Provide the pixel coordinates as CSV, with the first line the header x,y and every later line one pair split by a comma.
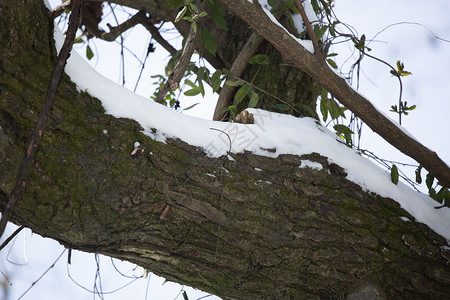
x,y
318,69
46,109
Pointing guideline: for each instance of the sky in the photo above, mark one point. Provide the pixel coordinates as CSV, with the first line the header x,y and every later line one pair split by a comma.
x,y
426,57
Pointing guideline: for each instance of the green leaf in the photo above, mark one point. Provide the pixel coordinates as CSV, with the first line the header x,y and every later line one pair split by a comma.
x,y
429,180
191,84
394,174
218,13
346,132
194,26
193,7
185,296
241,93
254,98
233,111
193,105
209,42
307,109
343,129
192,92
332,63
418,176
260,59
281,106
89,53
79,39
323,105
227,73
215,80
234,83
274,3
315,6
174,3
181,14
201,88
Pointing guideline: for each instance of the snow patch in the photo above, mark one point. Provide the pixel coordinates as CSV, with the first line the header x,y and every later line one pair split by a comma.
x,y
310,164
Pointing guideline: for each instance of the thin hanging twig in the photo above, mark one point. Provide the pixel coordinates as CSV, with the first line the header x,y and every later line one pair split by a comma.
x,y
44,115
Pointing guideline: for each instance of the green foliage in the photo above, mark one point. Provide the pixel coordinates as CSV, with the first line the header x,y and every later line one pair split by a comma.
x,y
403,108
345,133
217,13
190,13
209,41
400,72
443,196
328,105
185,296
394,174
260,59
89,53
216,80
241,93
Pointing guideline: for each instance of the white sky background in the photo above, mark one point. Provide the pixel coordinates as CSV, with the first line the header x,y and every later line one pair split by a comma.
x,y
426,57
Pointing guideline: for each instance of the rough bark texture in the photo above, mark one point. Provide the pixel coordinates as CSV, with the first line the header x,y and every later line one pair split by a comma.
x,y
223,226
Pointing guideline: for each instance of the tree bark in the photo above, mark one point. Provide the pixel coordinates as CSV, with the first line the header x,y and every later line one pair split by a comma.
x,y
215,224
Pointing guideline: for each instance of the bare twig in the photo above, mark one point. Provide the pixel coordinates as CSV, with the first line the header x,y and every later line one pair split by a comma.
x,y
60,9
147,23
11,237
178,72
44,115
114,32
309,29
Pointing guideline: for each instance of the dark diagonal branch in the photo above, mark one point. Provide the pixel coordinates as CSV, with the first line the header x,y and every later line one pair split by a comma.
x,y
309,29
178,72
239,64
147,23
44,114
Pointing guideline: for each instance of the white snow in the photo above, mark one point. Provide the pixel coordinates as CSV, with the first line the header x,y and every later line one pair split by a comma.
x,y
306,163
271,131
305,43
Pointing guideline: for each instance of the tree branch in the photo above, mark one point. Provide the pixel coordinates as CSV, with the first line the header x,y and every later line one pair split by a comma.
x,y
61,8
158,37
114,32
309,29
237,68
318,69
178,72
50,99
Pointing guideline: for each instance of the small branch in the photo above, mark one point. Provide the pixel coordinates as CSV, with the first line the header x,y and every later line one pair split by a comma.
x,y
181,66
44,115
239,64
60,9
309,29
147,23
6,242
114,32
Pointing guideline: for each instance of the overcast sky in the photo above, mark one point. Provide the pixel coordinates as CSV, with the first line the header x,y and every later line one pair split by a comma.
x,y
425,56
